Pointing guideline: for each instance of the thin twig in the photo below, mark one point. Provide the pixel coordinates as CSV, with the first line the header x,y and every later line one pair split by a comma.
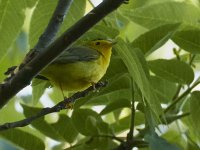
x,y
180,86
132,122
24,76
172,118
191,60
180,97
58,107
177,92
111,137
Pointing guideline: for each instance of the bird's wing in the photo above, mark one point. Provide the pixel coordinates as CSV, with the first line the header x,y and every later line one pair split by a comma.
x,y
75,54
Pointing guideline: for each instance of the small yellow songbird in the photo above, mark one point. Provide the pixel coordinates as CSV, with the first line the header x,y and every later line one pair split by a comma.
x,y
79,67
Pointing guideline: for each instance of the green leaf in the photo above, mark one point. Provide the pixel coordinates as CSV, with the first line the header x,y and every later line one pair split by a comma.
x,y
158,143
169,12
23,139
91,126
38,86
195,111
172,70
40,124
117,104
155,38
65,127
99,32
135,67
76,11
31,3
173,135
42,14
7,113
10,27
188,40
124,123
115,68
164,89
80,117
192,145
94,143
118,88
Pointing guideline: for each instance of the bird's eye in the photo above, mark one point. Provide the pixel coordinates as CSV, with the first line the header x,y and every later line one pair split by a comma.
x,y
97,43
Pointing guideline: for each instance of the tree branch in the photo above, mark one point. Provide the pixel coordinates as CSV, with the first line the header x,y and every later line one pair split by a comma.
x,y
24,76
54,25
58,107
50,32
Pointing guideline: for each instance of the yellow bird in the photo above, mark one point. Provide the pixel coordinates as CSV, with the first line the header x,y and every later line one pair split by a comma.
x,y
79,67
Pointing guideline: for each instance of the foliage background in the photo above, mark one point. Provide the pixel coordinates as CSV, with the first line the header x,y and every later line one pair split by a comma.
x,y
156,57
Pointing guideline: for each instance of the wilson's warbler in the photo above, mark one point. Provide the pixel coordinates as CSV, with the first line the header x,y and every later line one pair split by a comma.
x,y
81,66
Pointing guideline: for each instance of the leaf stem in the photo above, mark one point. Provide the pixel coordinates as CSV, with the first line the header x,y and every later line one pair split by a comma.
x,y
180,97
132,122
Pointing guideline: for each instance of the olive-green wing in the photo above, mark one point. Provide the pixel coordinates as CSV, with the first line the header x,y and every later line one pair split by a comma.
x,y
75,54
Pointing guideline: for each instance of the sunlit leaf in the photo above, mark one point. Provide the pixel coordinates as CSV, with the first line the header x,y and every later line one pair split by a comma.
x,y
168,12
42,14
9,11
38,87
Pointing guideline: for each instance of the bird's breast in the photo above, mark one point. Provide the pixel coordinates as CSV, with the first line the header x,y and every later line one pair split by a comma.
x,y
77,76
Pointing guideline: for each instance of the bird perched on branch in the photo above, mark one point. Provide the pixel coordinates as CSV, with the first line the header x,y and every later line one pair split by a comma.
x,y
81,66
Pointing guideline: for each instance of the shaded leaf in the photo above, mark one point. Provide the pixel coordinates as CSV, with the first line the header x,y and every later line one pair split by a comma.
x,y
121,103
164,89
155,38
195,111
124,123
80,118
158,143
23,139
65,127
118,88
188,40
135,67
172,70
40,124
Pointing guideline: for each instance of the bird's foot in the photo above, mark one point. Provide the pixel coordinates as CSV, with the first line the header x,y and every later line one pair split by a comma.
x,y
69,103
